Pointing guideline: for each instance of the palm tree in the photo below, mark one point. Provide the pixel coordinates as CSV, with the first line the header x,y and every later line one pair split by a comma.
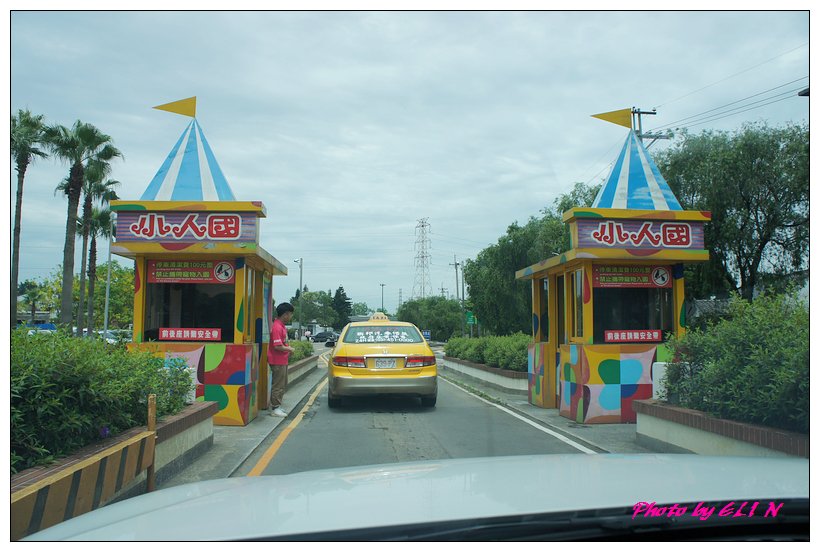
x,y
100,226
95,187
77,146
26,139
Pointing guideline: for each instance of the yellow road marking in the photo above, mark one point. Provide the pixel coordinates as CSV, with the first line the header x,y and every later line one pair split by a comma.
x,y
274,448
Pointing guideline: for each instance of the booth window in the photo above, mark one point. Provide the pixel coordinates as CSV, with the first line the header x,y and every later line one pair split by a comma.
x,y
188,306
631,308
543,312
578,303
561,312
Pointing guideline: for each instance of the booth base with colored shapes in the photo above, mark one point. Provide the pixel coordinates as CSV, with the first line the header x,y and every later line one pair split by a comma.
x,y
597,383
222,372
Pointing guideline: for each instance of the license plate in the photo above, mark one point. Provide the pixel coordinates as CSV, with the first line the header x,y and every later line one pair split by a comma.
x,y
385,363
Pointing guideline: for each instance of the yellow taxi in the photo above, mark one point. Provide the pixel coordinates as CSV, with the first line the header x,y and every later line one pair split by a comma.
x,y
380,357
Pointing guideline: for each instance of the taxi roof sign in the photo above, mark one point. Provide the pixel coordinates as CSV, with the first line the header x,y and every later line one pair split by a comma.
x,y
379,316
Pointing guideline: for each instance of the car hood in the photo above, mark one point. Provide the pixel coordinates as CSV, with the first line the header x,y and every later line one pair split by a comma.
x,y
431,491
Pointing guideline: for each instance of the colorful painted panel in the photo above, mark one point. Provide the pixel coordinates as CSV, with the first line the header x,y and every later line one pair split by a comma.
x,y
535,373
599,382
235,403
219,371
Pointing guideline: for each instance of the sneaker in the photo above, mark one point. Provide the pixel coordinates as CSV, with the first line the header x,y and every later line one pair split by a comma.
x,y
278,412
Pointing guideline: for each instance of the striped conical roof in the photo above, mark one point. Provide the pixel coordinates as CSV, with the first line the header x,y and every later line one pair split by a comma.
x,y
635,182
190,172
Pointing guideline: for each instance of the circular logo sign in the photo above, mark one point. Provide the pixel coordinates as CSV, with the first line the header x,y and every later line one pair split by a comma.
x,y
223,272
660,276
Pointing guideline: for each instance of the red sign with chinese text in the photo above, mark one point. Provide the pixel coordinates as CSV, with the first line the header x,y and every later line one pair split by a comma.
x,y
614,276
636,234
190,334
190,272
186,227
627,336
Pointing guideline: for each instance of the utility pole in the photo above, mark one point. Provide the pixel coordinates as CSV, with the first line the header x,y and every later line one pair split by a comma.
x,y
397,308
301,302
443,290
382,285
456,264
637,124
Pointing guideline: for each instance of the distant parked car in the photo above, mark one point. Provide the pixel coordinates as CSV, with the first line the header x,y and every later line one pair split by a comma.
x,y
324,336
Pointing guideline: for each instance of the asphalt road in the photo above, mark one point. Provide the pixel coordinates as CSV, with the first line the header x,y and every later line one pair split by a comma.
x,y
384,430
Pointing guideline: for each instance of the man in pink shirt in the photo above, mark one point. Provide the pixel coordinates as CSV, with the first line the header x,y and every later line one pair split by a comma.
x,y
278,353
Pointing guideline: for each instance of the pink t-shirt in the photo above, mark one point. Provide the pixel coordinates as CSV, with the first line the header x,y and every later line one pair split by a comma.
x,y
278,336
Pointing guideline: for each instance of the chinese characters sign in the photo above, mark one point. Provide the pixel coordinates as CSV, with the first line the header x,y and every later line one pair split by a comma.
x,y
636,234
190,334
190,272
186,227
609,276
626,336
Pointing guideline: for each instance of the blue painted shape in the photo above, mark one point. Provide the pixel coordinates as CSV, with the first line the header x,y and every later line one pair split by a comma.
x,y
610,397
627,391
607,194
534,324
631,370
573,354
237,378
677,271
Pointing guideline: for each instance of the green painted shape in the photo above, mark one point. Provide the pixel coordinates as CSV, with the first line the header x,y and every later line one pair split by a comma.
x,y
610,371
214,353
217,393
682,317
588,214
664,354
569,375
579,413
128,207
240,320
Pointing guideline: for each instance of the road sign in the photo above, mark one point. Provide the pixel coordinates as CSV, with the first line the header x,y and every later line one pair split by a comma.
x,y
470,318
426,334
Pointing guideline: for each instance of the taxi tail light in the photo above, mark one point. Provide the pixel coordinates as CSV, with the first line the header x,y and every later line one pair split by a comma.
x,y
350,362
417,361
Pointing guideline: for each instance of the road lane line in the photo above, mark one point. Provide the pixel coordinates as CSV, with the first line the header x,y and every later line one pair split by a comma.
x,y
558,436
274,448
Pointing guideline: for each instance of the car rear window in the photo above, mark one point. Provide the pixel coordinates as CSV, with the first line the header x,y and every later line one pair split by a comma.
x,y
382,334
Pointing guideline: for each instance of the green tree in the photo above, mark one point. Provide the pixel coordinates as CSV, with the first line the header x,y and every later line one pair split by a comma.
x,y
76,146
96,188
342,305
755,182
360,309
100,225
33,294
440,315
26,141
121,294
502,303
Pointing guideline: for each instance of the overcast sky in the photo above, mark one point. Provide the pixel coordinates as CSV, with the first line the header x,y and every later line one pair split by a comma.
x,y
352,126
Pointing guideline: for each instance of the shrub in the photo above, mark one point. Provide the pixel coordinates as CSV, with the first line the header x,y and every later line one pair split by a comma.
x,y
303,350
507,352
752,367
67,393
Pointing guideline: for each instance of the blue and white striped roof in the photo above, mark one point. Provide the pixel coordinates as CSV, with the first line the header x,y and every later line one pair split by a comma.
x,y
190,172
635,182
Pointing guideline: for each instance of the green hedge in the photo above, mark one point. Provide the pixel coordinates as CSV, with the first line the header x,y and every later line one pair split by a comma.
x,y
751,367
508,352
303,350
67,393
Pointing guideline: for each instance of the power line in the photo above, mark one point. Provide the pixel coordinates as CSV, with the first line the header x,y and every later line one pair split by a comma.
x,y
733,75
667,125
738,112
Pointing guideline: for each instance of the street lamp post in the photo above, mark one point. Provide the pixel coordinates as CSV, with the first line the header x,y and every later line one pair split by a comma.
x,y
301,292
382,285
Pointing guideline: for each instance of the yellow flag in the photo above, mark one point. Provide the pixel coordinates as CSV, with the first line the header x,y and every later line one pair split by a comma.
x,y
185,107
621,117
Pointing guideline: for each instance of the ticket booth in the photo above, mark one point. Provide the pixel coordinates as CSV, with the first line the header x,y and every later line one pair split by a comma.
x,y
603,310
203,286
